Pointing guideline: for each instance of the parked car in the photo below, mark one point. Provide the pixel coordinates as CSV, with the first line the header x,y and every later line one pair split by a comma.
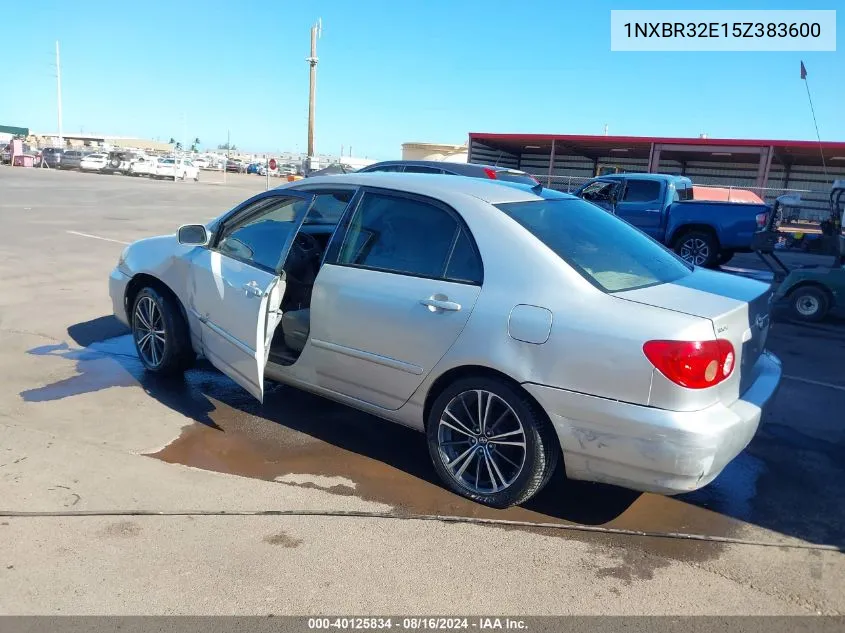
x,y
490,172
143,165
512,330
6,155
702,232
72,158
94,162
200,163
52,157
235,166
256,168
176,169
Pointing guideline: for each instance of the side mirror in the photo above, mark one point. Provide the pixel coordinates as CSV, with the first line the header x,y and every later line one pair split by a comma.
x,y
192,235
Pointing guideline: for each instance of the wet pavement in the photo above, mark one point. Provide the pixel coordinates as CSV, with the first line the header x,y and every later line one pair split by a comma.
x,y
790,479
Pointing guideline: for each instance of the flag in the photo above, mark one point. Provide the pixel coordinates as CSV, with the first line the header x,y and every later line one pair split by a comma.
x,y
803,71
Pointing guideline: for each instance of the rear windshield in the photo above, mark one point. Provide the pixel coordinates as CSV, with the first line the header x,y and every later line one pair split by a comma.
x,y
608,252
516,176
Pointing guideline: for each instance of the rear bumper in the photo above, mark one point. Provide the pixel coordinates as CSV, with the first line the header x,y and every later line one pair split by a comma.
x,y
650,449
117,291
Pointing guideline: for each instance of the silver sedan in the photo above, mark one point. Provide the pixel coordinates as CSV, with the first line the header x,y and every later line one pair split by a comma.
x,y
514,329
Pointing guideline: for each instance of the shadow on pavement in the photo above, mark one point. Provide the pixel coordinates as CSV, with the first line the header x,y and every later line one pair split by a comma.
x,y
790,479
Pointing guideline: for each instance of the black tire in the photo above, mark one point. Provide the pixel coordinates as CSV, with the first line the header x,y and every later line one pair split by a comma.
x,y
809,304
699,248
542,449
177,354
725,257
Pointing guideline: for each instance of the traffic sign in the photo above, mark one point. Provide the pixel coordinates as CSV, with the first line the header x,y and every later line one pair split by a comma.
x,y
272,163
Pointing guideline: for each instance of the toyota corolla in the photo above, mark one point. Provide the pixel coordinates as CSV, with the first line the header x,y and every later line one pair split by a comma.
x,y
514,331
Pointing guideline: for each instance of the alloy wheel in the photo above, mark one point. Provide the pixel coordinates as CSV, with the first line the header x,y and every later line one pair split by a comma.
x,y
481,442
150,333
695,251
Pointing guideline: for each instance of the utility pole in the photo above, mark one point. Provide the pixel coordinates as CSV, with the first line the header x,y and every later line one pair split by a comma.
x,y
316,31
59,93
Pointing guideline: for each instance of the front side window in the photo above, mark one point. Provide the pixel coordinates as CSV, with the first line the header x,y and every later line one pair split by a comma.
x,y
599,191
641,191
608,252
401,235
260,235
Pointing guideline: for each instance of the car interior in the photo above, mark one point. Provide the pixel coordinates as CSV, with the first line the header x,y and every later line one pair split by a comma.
x,y
301,267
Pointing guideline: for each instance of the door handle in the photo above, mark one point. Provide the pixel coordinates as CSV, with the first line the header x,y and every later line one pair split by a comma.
x,y
440,304
252,289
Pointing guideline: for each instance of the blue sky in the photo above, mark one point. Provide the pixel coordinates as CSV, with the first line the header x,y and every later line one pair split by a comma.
x,y
392,72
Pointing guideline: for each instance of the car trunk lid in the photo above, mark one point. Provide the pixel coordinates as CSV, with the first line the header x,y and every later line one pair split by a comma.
x,y
737,307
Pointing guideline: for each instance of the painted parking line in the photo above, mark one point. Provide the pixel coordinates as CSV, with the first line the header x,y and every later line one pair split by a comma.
x,y
97,237
818,383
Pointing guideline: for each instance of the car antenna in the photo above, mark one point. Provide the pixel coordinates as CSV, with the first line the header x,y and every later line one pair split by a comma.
x,y
501,152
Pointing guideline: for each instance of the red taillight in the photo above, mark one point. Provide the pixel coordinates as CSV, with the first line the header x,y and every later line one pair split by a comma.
x,y
761,219
692,364
491,173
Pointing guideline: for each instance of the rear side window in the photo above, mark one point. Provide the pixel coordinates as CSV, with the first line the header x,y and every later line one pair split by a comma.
x,y
408,236
422,169
464,262
384,168
641,191
608,252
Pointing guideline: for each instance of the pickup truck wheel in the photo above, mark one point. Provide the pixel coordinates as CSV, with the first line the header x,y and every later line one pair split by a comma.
x,y
697,248
809,304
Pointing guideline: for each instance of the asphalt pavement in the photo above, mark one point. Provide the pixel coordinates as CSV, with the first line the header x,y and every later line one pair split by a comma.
x,y
189,497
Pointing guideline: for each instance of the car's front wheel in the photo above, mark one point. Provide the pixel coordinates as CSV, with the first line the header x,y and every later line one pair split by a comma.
x,y
160,332
490,442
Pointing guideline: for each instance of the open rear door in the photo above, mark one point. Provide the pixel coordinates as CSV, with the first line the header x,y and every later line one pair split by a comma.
x,y
238,285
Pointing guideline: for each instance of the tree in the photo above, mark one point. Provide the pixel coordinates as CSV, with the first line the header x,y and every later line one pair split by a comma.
x,y
172,141
178,145
196,145
232,147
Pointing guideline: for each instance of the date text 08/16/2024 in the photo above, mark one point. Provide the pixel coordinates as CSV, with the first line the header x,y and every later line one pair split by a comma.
x,y
416,623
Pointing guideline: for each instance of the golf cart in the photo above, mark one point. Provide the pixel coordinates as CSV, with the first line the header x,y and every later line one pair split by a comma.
x,y
811,291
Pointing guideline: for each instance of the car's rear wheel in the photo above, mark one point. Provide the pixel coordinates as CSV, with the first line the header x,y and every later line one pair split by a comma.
x,y
809,303
490,442
698,248
160,332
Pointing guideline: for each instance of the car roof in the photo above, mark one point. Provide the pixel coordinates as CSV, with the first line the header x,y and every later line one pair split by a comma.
x,y
645,176
463,168
442,185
